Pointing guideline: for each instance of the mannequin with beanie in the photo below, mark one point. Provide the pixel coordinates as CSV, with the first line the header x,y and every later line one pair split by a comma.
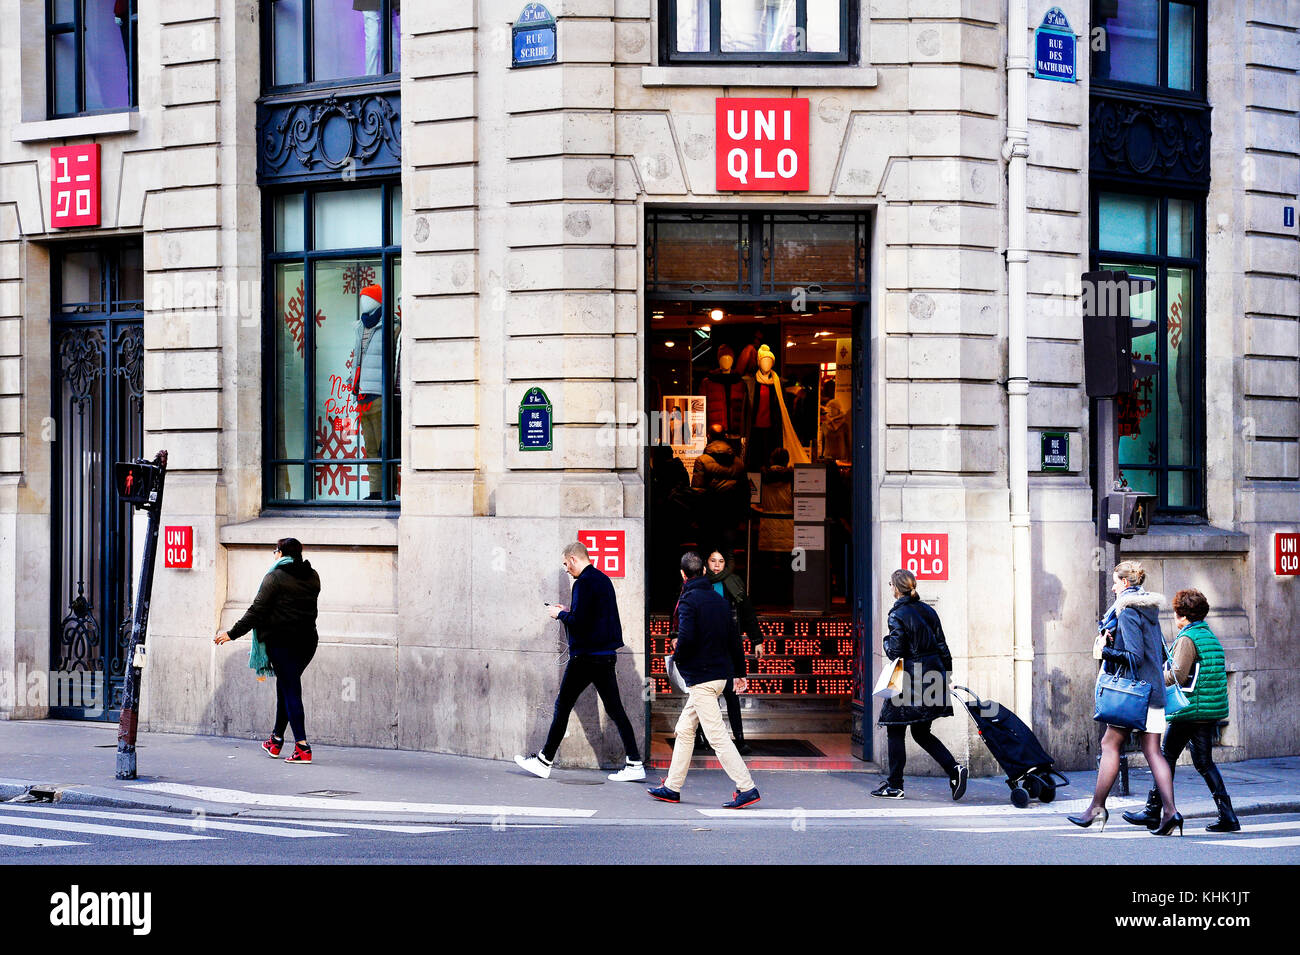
x,y
368,382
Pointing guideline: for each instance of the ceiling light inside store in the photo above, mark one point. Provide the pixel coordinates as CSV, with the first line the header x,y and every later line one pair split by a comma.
x,y
717,314
669,344
789,343
658,316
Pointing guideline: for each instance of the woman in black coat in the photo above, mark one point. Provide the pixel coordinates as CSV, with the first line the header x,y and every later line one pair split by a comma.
x,y
916,635
284,614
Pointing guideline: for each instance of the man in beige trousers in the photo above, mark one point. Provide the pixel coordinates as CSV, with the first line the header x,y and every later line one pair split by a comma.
x,y
708,653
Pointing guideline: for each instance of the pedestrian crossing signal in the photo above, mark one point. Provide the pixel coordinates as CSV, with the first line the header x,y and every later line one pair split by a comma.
x,y
137,483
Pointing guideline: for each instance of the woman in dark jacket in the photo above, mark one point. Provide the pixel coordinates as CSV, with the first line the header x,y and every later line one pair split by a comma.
x,y
722,575
916,635
1196,651
284,615
1132,631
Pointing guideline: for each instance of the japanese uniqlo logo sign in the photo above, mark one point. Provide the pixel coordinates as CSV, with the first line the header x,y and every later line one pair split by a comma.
x,y
178,547
74,186
762,144
1286,555
607,550
926,555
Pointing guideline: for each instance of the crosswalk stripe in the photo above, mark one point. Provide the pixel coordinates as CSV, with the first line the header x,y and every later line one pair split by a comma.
x,y
211,794
196,823
32,842
92,829
1278,842
375,827
997,829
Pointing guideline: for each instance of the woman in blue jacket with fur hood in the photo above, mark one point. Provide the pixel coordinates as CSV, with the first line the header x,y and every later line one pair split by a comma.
x,y
1133,639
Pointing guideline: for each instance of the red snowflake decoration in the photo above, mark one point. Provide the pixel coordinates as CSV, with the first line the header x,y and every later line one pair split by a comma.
x,y
357,277
333,479
293,318
1132,408
1176,321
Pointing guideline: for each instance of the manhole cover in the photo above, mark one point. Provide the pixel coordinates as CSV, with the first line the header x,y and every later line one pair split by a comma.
x,y
581,782
138,746
329,792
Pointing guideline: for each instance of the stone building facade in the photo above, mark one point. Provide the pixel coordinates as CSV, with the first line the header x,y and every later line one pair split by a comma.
x,y
520,202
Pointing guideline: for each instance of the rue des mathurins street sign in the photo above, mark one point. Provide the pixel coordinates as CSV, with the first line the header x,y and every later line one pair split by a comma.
x,y
1054,48
534,41
535,421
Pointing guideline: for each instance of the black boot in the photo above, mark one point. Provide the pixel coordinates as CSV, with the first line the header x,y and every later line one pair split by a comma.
x,y
1227,821
1150,814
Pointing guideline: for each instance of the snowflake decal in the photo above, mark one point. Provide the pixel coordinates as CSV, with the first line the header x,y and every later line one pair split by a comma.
x,y
1131,409
293,318
335,479
1176,321
357,277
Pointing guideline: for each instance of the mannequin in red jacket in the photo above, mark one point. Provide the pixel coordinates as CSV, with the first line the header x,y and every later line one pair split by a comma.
x,y
727,397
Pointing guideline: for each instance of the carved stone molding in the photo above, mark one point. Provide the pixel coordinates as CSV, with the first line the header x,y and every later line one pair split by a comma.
x,y
333,136
1140,142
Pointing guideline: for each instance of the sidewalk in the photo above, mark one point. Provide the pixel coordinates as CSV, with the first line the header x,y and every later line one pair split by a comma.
x,y
73,764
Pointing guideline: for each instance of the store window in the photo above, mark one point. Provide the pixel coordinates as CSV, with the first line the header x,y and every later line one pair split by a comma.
x,y
1147,43
91,56
1160,425
792,31
334,331
319,41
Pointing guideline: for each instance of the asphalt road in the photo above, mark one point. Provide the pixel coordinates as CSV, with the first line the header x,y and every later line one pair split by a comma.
x,y
41,834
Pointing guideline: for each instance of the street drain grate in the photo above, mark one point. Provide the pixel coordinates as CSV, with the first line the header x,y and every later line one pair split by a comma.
x,y
580,782
329,792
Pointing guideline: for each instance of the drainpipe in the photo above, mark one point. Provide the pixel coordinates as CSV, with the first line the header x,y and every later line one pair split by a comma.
x,y
1015,151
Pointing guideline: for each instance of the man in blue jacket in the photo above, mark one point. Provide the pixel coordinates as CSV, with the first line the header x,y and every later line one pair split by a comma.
x,y
595,634
708,653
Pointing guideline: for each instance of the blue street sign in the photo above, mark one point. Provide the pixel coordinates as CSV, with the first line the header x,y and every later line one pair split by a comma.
x,y
1055,451
1054,48
534,37
535,421
1288,217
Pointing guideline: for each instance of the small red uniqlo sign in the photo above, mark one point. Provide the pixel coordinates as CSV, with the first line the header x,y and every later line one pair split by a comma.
x,y
762,144
1286,555
926,555
74,186
607,551
178,547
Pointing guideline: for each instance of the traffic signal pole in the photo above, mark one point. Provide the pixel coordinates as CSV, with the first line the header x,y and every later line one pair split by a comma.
x,y
127,723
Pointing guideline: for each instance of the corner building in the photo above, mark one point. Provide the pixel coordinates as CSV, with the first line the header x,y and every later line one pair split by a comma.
x,y
337,246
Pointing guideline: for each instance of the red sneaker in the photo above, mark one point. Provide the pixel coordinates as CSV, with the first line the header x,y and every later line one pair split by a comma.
x,y
272,747
300,754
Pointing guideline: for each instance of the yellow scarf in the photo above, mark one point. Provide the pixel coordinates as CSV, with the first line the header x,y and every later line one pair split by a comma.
x,y
789,437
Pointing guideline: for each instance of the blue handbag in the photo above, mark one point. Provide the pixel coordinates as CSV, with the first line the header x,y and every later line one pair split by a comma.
x,y
1121,701
1175,698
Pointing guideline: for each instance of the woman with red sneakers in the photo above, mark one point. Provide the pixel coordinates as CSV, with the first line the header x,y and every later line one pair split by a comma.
x,y
284,615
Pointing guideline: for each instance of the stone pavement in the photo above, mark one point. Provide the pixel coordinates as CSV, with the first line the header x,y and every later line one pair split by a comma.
x,y
73,764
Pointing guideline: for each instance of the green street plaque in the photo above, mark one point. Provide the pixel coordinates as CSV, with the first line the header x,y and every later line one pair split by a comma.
x,y
1056,451
535,421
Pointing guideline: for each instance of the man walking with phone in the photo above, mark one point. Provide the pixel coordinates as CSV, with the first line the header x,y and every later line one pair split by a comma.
x,y
708,654
595,634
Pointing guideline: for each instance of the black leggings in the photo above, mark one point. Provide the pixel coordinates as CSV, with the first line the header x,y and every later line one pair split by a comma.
x,y
897,733
289,663
581,673
1200,734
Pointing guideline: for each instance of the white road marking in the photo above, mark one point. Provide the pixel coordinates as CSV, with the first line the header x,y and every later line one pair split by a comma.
x,y
1280,842
998,829
210,794
30,842
92,829
895,811
196,823
322,824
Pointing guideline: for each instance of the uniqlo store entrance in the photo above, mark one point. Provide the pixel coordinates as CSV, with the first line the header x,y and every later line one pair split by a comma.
x,y
757,398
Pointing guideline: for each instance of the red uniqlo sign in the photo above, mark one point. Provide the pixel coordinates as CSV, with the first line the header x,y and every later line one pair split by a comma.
x,y
74,186
926,555
178,547
1286,555
762,144
607,551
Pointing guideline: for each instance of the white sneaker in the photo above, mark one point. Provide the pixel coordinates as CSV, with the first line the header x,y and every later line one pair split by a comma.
x,y
631,773
534,765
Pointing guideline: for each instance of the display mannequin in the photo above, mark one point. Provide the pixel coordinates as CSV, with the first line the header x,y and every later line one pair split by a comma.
x,y
728,398
770,426
368,381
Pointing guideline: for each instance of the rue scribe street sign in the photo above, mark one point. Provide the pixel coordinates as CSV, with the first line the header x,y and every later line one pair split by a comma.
x,y
534,37
1054,48
535,421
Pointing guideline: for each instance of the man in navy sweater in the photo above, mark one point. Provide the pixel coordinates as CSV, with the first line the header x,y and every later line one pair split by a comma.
x,y
708,652
595,634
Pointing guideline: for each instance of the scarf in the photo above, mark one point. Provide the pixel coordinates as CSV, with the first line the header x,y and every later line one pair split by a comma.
x,y
258,661
788,436
1110,620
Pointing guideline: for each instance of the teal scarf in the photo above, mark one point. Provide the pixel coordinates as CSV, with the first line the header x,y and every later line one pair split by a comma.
x,y
258,661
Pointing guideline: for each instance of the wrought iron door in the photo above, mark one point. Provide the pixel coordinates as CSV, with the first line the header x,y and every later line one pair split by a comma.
x,y
98,418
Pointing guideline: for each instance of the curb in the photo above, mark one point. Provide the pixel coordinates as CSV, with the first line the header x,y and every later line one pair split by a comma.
x,y
12,790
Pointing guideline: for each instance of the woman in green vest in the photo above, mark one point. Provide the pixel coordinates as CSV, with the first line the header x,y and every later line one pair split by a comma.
x,y
1196,648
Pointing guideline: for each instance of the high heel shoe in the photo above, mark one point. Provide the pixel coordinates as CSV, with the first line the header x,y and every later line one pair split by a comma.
x,y
1103,812
1175,820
